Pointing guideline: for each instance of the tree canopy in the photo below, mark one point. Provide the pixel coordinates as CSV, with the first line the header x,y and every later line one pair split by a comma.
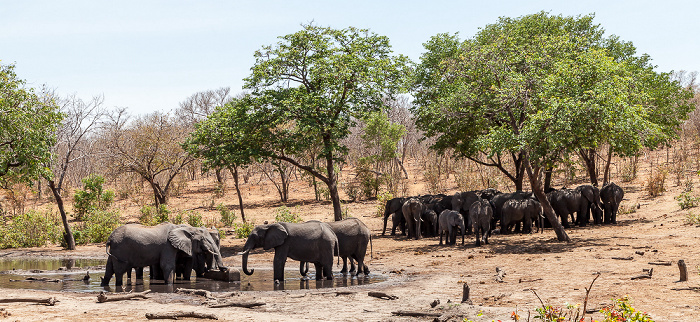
x,y
540,87
310,87
27,129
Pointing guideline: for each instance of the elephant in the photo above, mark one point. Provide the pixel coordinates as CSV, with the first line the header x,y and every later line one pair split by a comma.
x,y
481,212
461,201
134,245
412,210
590,203
525,210
399,221
500,199
487,193
353,237
393,206
312,241
449,219
611,195
430,218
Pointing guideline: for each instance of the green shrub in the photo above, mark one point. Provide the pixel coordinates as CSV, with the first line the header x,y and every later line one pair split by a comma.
x,y
194,219
151,216
243,229
692,219
621,310
96,227
31,229
686,200
283,214
177,218
381,202
227,215
92,197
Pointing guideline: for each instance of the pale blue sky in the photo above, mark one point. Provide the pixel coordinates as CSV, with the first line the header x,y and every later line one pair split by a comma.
x,y
151,55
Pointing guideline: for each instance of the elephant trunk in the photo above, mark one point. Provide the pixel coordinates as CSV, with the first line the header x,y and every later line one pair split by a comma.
x,y
245,263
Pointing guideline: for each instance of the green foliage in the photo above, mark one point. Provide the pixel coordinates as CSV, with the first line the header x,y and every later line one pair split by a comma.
x,y
692,218
96,227
194,219
382,198
151,216
381,137
178,218
244,229
227,215
284,214
369,181
28,124
622,311
31,229
687,200
92,197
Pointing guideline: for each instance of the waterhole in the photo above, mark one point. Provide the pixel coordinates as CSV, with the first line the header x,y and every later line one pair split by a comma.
x,y
70,275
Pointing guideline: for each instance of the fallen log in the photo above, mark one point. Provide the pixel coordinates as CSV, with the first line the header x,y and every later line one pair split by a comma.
x,y
247,305
663,263
38,279
646,275
382,295
416,314
624,258
190,291
102,297
529,281
683,270
51,301
176,315
692,288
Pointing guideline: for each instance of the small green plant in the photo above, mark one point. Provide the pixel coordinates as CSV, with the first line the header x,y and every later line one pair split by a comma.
x,y
622,311
92,197
686,200
382,198
177,218
227,215
151,216
96,227
692,219
284,214
30,229
194,219
243,229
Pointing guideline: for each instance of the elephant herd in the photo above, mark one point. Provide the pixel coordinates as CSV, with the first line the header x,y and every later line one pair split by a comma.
x,y
482,210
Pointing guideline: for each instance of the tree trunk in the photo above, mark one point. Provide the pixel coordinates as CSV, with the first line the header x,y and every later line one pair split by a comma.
x,y
219,176
160,196
538,190
234,172
548,178
333,189
68,235
606,173
588,156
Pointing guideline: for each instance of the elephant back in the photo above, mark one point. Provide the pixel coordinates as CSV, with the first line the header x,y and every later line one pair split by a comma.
x,y
136,243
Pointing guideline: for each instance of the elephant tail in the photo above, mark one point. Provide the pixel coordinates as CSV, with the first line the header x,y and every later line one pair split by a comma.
x,y
107,248
337,249
371,254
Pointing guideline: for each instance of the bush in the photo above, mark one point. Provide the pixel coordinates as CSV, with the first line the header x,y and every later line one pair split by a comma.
x,y
227,215
352,189
31,229
621,311
692,219
92,198
686,200
283,214
150,216
655,185
381,202
96,227
178,218
194,219
243,229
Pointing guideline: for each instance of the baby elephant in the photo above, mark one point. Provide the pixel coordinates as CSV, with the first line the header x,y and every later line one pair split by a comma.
x,y
448,221
480,213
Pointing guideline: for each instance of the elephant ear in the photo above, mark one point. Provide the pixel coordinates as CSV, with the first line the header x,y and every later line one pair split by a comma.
x,y
275,236
181,238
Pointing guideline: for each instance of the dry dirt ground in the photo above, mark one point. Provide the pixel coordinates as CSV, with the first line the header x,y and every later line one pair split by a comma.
x,y
421,271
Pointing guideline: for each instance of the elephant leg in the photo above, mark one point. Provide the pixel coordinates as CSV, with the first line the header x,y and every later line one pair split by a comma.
x,y
527,225
613,216
120,268
517,228
327,269
345,265
486,238
187,269
441,232
418,234
109,271
478,236
278,266
352,265
319,271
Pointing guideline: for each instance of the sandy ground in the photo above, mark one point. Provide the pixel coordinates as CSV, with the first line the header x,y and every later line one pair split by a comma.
x,y
421,271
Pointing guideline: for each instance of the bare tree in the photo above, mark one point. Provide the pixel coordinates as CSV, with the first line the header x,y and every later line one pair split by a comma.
x,y
81,121
149,146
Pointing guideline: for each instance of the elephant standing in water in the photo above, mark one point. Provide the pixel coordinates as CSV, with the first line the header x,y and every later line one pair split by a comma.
x,y
312,241
161,246
412,210
611,195
353,237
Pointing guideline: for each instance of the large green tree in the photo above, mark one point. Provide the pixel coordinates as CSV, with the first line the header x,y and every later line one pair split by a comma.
x,y
312,85
541,87
27,129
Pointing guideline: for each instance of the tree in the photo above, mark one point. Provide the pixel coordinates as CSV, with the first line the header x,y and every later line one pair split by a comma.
x,y
149,146
312,85
81,121
542,87
27,130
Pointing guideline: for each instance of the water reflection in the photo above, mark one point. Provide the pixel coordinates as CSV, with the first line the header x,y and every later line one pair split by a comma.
x,y
72,277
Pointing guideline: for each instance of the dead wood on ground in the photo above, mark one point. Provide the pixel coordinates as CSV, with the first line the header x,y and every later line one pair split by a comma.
x,y
103,297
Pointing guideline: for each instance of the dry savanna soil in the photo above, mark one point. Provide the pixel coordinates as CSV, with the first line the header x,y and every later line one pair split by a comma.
x,y
420,272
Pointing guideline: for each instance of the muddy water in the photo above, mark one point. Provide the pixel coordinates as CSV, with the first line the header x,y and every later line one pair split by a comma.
x,y
69,275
